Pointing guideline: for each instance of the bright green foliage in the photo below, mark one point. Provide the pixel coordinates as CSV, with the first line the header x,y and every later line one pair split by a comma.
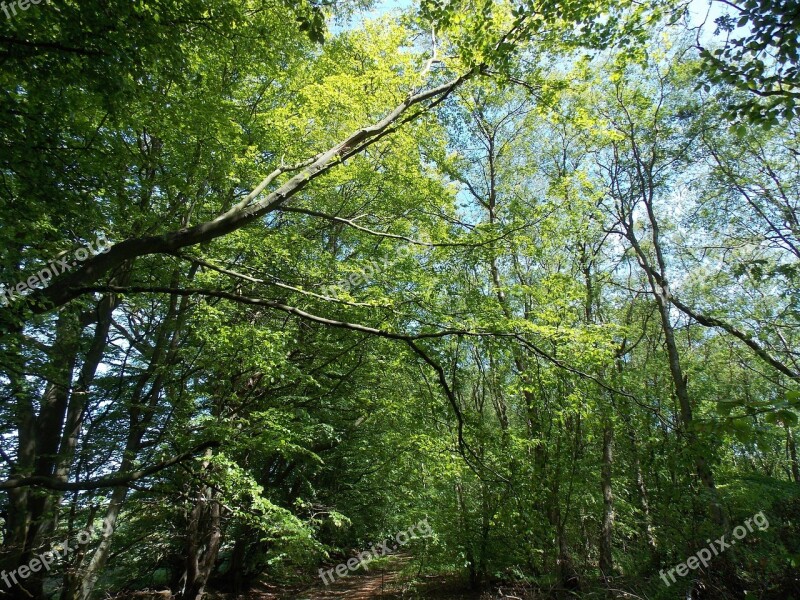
x,y
527,309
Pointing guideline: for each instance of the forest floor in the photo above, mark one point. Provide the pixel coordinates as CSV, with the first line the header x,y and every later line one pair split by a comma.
x,y
385,583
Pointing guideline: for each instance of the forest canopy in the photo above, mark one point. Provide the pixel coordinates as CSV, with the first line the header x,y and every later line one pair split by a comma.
x,y
517,281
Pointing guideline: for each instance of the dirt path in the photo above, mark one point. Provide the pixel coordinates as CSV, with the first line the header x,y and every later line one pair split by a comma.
x,y
358,586
383,583
361,586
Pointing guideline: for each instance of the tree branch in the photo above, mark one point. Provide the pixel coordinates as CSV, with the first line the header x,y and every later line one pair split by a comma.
x,y
708,321
66,287
118,480
354,225
276,283
287,309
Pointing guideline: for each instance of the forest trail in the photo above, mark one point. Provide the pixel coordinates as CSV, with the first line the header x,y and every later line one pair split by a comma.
x,y
380,583
377,583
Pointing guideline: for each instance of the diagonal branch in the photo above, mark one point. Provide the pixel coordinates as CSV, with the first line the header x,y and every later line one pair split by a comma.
x,y
273,282
118,480
708,321
293,310
250,209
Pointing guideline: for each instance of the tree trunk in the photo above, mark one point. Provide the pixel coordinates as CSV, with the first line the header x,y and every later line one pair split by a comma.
x,y
469,553
204,538
656,277
32,513
680,382
80,581
792,448
643,494
607,526
79,585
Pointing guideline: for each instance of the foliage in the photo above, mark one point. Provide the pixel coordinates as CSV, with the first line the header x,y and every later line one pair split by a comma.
x,y
517,276
759,57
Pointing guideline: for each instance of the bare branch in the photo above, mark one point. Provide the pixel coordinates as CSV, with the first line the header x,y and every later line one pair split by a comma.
x,y
354,225
274,282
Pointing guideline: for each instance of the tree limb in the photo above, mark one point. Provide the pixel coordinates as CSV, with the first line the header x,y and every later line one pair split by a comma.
x,y
66,287
118,480
708,321
288,309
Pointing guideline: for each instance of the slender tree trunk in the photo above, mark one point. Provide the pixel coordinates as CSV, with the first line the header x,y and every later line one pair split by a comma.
x,y
472,567
659,286
792,448
643,495
606,558
486,516
568,573
607,526
569,578
237,574
680,383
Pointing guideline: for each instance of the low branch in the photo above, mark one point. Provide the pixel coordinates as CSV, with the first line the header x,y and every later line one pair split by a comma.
x,y
118,480
293,310
708,321
250,209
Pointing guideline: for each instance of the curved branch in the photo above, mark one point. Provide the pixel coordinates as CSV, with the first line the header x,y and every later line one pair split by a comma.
x,y
708,321
118,480
354,225
250,209
293,310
